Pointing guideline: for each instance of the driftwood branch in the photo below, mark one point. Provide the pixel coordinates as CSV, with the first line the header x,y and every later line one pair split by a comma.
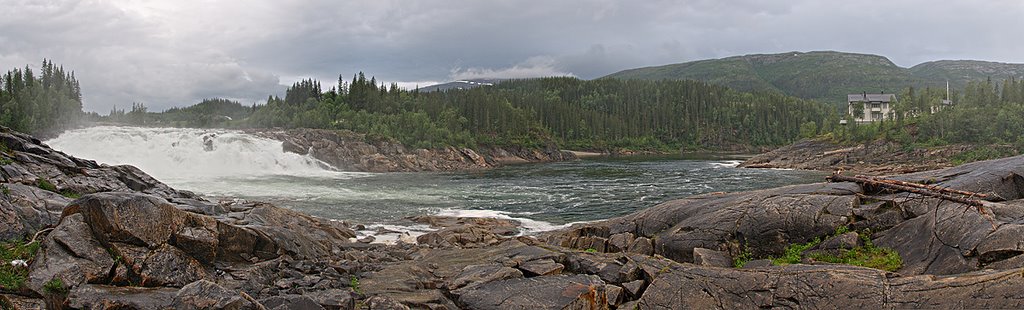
x,y
953,195
925,186
958,196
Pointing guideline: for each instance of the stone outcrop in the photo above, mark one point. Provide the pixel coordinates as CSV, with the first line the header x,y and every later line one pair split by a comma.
x,y
350,151
875,158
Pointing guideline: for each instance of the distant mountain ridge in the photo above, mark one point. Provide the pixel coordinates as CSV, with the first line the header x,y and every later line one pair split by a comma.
x,y
825,75
461,84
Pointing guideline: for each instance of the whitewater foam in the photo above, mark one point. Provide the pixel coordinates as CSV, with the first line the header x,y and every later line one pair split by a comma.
x,y
530,226
727,164
182,154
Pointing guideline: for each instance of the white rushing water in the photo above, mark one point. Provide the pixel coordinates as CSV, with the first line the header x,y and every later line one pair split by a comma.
x,y
220,163
177,155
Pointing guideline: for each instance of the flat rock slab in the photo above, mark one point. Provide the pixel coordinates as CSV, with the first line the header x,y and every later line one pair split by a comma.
x,y
543,267
711,258
550,292
91,296
829,287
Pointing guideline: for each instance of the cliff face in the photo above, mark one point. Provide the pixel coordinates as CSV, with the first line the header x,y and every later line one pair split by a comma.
x,y
351,152
130,242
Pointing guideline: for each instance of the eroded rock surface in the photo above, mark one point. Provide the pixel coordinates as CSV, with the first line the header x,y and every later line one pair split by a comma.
x,y
352,152
875,158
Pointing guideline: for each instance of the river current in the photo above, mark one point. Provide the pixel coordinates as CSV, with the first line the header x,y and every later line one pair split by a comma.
x,y
225,164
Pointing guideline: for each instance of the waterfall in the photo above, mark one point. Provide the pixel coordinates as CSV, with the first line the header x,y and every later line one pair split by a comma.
x,y
179,154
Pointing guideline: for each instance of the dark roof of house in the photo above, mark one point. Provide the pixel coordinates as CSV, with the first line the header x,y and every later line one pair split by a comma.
x,y
870,97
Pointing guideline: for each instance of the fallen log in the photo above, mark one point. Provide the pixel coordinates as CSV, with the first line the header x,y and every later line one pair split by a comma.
x,y
925,186
963,197
958,196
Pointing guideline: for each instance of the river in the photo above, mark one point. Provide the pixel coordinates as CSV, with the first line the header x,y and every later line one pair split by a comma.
x,y
542,196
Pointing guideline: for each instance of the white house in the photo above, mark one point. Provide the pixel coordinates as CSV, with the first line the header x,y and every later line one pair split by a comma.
x,y
876,107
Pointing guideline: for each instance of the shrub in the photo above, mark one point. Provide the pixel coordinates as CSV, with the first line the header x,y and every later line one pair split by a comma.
x,y
45,184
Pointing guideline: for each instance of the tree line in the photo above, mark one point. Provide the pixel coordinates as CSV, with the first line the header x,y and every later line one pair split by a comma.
x,y
599,114
41,103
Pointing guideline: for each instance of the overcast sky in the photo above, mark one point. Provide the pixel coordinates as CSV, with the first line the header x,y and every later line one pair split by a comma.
x,y
174,53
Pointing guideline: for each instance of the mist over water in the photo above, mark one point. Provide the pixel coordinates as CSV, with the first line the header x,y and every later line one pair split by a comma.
x,y
542,196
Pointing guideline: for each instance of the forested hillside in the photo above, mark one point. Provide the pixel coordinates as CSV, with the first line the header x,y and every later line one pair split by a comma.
x,y
825,76
40,103
597,115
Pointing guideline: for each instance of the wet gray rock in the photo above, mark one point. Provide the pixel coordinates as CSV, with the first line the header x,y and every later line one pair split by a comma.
x,y
549,292
384,303
473,275
817,286
16,302
620,242
634,288
641,245
208,295
334,299
465,232
70,254
290,302
615,294
758,263
711,258
91,296
542,267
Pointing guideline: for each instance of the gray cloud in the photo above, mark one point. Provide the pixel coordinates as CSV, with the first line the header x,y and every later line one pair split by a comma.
x,y
174,53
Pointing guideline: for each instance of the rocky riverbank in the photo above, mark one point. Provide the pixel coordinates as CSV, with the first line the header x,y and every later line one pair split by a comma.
x,y
876,158
113,238
353,152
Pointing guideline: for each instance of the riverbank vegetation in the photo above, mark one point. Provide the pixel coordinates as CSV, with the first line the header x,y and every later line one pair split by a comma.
x,y
593,115
988,115
40,103
14,258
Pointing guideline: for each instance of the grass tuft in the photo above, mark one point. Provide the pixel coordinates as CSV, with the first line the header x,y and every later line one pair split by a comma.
x,y
353,282
868,255
745,257
12,276
45,184
55,286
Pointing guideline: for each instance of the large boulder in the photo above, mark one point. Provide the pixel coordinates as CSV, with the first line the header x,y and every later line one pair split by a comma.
x,y
72,255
